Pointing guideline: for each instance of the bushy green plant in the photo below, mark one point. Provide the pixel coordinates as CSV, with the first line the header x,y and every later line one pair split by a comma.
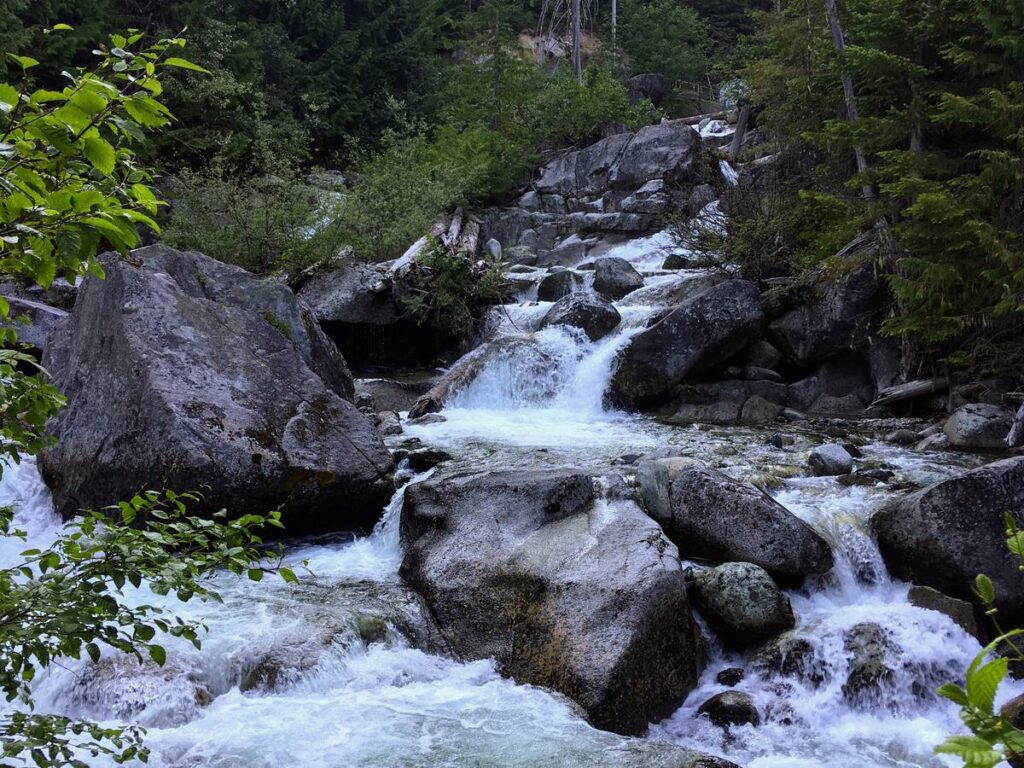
x,y
666,37
449,289
265,224
71,184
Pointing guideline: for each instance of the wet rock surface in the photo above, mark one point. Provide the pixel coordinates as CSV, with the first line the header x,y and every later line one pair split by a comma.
x,y
711,516
564,589
742,604
946,534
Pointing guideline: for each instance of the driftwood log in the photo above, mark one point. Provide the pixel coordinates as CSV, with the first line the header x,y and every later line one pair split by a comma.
x,y
910,390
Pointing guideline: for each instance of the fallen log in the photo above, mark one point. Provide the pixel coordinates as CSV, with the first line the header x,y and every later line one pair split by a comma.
x,y
698,119
910,390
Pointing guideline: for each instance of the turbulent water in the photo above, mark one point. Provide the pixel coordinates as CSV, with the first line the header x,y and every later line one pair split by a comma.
x,y
343,670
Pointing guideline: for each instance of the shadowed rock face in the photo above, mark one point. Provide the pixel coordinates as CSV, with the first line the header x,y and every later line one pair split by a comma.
x,y
185,373
945,535
702,332
591,314
565,589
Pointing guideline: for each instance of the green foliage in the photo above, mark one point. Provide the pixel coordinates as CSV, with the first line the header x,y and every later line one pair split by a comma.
x,y
265,224
666,37
500,115
941,100
449,289
70,183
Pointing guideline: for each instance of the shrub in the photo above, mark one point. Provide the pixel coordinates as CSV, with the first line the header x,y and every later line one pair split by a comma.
x,y
265,225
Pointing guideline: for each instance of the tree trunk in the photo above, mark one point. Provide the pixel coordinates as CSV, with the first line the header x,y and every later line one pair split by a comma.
x,y
577,59
741,131
1016,437
839,39
615,21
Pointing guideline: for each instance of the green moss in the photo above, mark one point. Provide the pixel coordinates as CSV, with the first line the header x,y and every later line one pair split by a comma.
x,y
278,323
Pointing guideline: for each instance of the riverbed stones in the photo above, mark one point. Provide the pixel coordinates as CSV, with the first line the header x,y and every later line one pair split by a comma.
x,y
945,535
869,647
185,373
702,332
564,587
979,427
830,460
614,278
742,604
712,517
593,315
731,708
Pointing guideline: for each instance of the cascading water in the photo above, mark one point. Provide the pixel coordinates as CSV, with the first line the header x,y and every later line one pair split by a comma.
x,y
345,670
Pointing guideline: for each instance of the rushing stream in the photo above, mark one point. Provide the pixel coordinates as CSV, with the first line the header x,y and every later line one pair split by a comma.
x,y
343,670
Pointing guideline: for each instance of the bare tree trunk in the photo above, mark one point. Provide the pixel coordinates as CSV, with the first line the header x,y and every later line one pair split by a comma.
x,y
848,93
615,21
577,59
741,131
1016,437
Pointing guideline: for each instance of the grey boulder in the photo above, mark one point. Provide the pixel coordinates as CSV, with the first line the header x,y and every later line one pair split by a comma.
x,y
702,332
615,278
593,315
188,374
712,517
564,589
830,460
945,535
558,285
742,604
979,427
731,708
841,315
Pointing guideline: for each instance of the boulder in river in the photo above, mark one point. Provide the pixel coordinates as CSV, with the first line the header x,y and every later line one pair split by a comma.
x,y
712,517
945,535
614,278
702,332
557,285
185,373
742,604
563,587
979,427
593,315
731,708
830,460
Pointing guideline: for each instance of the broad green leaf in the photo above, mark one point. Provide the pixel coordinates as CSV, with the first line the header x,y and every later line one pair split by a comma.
x,y
985,589
983,682
100,154
158,654
185,64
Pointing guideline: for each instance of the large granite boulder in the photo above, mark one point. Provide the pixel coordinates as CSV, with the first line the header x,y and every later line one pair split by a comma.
x,y
185,373
353,293
614,278
625,161
558,285
841,315
593,315
742,604
702,332
712,517
979,427
564,587
945,535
